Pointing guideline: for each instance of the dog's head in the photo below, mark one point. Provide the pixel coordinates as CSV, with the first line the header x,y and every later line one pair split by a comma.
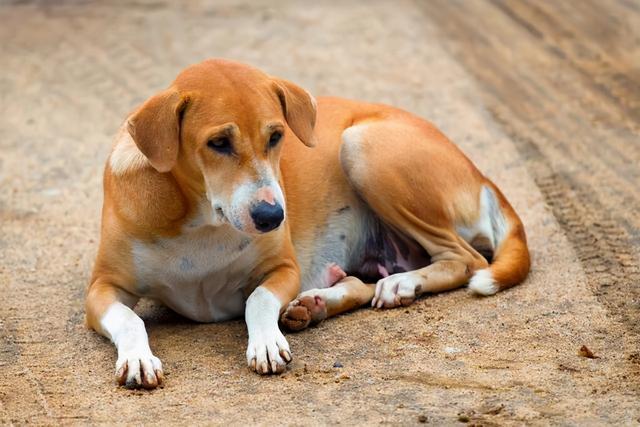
x,y
221,124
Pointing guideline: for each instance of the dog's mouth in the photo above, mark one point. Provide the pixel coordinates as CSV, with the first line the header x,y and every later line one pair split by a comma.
x,y
219,217
220,214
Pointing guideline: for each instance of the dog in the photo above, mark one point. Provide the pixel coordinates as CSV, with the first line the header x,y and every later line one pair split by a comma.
x,y
215,204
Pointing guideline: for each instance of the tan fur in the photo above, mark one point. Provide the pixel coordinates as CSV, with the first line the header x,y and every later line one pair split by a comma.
x,y
370,158
413,178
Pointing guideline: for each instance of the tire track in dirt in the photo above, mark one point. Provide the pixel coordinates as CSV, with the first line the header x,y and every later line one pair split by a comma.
x,y
587,184
603,247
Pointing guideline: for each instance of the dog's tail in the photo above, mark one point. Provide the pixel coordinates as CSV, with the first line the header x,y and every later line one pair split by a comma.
x,y
511,262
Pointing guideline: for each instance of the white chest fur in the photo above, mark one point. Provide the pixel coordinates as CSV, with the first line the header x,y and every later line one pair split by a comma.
x,y
199,274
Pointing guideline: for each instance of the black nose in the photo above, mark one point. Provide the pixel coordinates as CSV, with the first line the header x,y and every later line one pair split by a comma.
x,y
266,217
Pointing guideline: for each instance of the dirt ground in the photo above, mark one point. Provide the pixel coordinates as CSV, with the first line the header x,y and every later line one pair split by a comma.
x,y
543,96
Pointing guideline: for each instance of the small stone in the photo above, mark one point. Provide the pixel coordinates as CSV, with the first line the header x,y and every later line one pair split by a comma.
x,y
463,418
585,352
337,364
422,419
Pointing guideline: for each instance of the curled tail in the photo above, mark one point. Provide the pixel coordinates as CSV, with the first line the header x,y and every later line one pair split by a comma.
x,y
511,261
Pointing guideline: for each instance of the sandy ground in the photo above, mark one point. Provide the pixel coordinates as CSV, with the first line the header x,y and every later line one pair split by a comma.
x,y
71,71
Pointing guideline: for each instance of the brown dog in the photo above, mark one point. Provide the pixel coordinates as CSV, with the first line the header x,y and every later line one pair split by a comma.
x,y
194,214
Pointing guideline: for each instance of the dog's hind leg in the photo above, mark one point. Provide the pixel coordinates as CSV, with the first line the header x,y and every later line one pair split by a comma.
x,y
417,183
401,289
315,305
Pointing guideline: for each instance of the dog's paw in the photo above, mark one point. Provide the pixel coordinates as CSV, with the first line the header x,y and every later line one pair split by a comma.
x,y
268,352
399,289
304,311
135,370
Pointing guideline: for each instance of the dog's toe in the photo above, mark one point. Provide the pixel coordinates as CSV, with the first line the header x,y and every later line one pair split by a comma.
x,y
304,311
399,289
268,353
296,317
133,371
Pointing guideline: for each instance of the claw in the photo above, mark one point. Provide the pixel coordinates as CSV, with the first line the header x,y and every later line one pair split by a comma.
x,y
121,374
159,376
285,355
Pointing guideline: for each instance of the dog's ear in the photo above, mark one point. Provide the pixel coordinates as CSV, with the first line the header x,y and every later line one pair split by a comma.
x,y
299,109
155,128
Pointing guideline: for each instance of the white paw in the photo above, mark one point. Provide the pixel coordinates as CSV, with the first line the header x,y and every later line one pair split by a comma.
x,y
397,289
137,369
268,352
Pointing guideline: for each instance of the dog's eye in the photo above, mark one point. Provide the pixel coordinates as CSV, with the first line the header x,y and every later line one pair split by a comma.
x,y
275,138
220,144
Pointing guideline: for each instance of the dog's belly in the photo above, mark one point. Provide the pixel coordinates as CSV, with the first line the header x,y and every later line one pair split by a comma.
x,y
211,299
357,241
335,241
200,275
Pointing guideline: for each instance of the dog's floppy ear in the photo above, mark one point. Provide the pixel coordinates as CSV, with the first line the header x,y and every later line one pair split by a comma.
x,y
299,109
155,128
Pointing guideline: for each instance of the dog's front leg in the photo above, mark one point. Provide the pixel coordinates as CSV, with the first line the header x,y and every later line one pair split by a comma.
x,y
109,313
268,350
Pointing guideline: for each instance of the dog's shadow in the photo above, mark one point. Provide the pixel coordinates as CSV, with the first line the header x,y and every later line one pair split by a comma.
x,y
175,335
